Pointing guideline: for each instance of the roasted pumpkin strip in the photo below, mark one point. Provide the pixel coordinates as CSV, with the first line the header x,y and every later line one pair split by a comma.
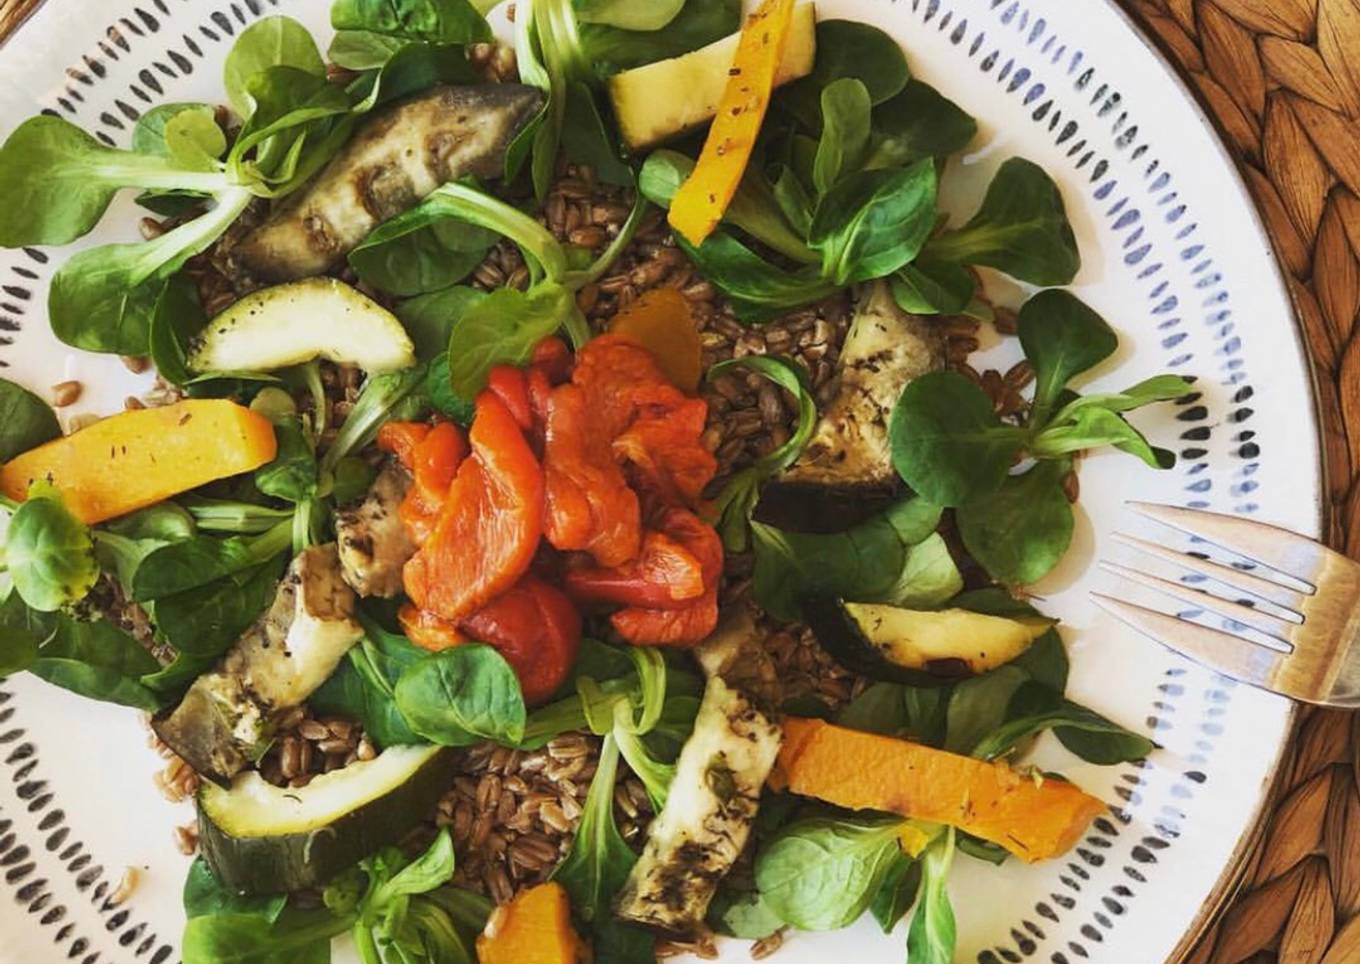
x,y
1032,818
699,204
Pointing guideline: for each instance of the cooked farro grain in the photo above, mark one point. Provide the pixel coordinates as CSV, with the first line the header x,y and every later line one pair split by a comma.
x,y
186,839
126,885
66,393
766,946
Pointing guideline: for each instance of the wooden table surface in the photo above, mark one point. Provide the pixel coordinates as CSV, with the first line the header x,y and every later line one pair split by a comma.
x,y
1282,77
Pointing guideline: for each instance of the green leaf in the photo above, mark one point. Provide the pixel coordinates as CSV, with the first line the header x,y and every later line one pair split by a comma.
x,y
933,936
865,563
847,48
821,874
1022,530
586,137
897,892
205,621
195,562
502,329
102,299
364,685
913,712
204,896
460,695
628,14
977,706
930,287
194,140
435,21
874,222
1092,427
271,42
291,475
97,660
420,252
429,318
394,395
176,318
610,49
1036,708
1021,229
49,552
296,937
599,860
947,441
26,421
56,181
757,289
1062,338
362,49
742,912
845,132
1158,388
919,122
22,631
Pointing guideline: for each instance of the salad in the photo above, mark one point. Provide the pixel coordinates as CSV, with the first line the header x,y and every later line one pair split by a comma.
x,y
567,525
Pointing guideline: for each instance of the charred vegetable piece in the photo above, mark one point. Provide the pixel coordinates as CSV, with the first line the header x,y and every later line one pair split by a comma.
x,y
225,719
919,647
397,157
699,203
849,457
134,459
1032,817
372,538
293,323
693,842
263,839
660,100
534,928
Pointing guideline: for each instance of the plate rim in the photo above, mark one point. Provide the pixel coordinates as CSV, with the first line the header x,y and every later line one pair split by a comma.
x,y
1233,875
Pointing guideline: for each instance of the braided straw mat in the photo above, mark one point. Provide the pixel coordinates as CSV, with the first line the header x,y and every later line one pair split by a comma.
x,y
1282,77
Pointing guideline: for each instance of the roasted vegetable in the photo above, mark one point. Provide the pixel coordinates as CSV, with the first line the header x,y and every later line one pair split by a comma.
x,y
263,839
226,717
397,157
699,203
372,538
712,802
293,323
919,647
534,928
1031,816
848,461
669,97
136,458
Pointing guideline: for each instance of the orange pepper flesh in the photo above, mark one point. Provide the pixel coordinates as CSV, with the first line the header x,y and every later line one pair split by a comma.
x,y
427,630
702,199
538,631
534,928
665,575
865,771
691,623
662,323
489,528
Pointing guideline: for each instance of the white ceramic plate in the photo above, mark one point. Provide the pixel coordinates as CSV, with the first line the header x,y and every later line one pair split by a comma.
x,y
1174,257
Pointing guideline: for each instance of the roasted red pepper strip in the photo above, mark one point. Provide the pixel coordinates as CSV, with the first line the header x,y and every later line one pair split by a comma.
x,y
427,630
692,623
538,631
553,358
432,455
663,447
666,575
401,438
510,386
489,529
589,504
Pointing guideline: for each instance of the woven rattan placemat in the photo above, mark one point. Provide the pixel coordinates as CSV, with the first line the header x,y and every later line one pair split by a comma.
x,y
1282,77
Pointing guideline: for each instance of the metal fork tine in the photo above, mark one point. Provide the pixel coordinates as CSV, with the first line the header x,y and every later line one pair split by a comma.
x,y
1282,550
1244,581
1246,615
1229,655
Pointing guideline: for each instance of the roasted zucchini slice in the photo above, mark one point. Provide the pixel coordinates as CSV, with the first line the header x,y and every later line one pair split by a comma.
x,y
263,839
919,647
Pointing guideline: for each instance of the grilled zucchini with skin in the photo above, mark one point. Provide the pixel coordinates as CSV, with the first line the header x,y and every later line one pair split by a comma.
x,y
847,464
293,323
703,827
224,721
398,156
372,538
919,647
263,839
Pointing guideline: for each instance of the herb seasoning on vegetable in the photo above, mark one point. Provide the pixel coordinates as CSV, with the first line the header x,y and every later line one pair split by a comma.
x,y
462,565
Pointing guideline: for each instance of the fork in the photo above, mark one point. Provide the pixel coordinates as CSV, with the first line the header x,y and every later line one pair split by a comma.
x,y
1308,646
